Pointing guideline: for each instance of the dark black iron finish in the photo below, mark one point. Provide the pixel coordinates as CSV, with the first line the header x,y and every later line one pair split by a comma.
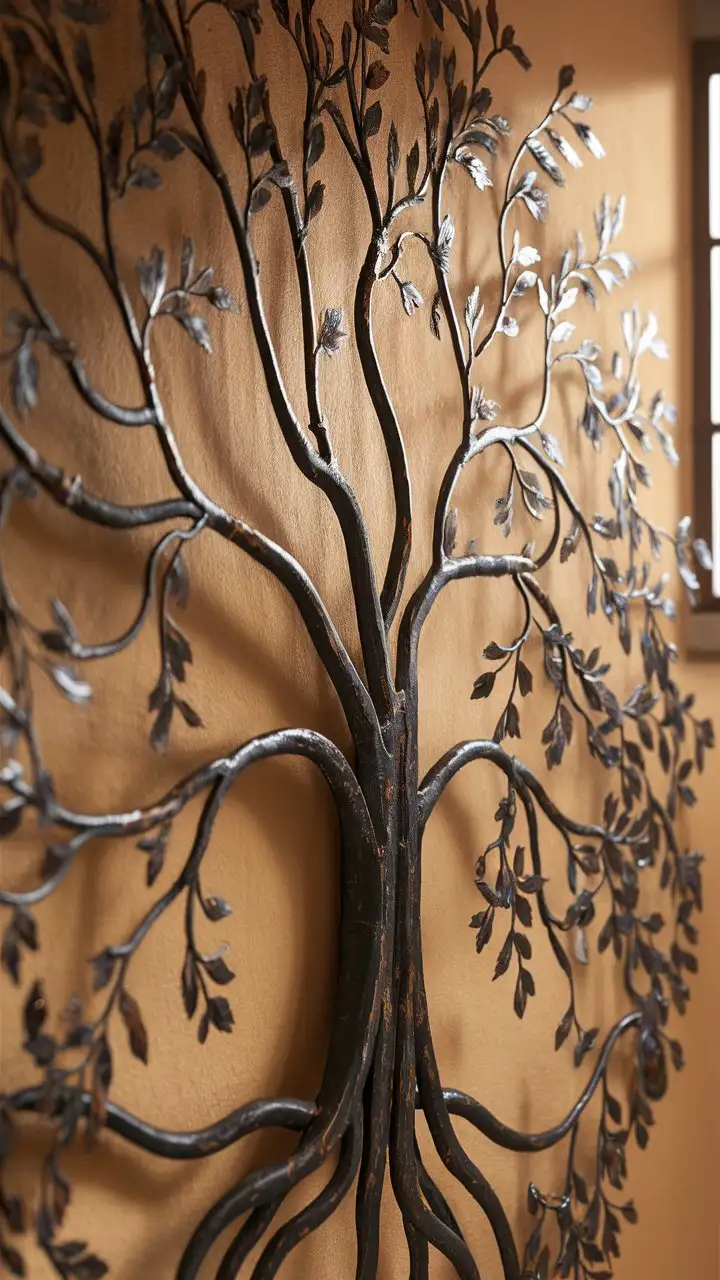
x,y
381,1065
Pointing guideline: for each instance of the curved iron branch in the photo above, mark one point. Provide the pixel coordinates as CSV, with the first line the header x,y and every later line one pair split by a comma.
x,y
264,1113
463,753
468,1108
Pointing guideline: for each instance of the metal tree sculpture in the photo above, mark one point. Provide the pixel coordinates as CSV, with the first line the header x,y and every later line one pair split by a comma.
x,y
380,1067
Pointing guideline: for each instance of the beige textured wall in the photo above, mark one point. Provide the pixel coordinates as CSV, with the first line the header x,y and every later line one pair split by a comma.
x,y
254,669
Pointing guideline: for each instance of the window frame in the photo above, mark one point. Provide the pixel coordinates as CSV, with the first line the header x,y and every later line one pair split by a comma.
x,y
705,63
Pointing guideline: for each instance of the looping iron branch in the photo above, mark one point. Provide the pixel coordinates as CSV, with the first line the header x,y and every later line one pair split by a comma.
x,y
380,1068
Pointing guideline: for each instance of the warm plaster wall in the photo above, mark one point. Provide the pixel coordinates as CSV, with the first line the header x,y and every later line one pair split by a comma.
x,y
254,670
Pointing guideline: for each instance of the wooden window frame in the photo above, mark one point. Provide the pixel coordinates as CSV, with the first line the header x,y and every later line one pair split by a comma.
x,y
704,630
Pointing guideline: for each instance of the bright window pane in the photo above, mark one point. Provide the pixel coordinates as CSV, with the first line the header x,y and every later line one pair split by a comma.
x,y
715,483
714,95
715,336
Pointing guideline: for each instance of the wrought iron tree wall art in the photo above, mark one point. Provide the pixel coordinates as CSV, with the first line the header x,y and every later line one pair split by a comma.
x,y
381,1067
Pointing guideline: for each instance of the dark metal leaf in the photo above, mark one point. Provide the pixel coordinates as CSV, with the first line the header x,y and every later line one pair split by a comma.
x,y
145,177
89,1268
376,75
331,335
315,201
188,713
413,164
584,1045
563,1029
11,815
483,686
35,1011
92,13
493,22
103,1065
219,971
167,145
393,154
10,954
316,144
524,911
520,997
504,956
160,732
12,1260
614,1109
520,56
484,924
216,908
525,680
512,721
84,63
255,96
189,984
103,969
220,1013
204,1026
373,120
131,1016
9,205
13,1209
523,945
262,137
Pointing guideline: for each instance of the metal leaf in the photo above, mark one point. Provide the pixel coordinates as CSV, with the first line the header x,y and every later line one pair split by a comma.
x,y
316,144
377,74
145,178
373,120
473,312
315,201
411,297
562,331
443,244
703,554
540,153
91,13
25,379
332,334
474,167
483,686
131,1016
262,137
70,684
588,138
197,328
435,317
562,145
393,153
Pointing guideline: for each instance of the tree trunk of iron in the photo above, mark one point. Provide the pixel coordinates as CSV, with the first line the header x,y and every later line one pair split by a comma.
x,y
404,1063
